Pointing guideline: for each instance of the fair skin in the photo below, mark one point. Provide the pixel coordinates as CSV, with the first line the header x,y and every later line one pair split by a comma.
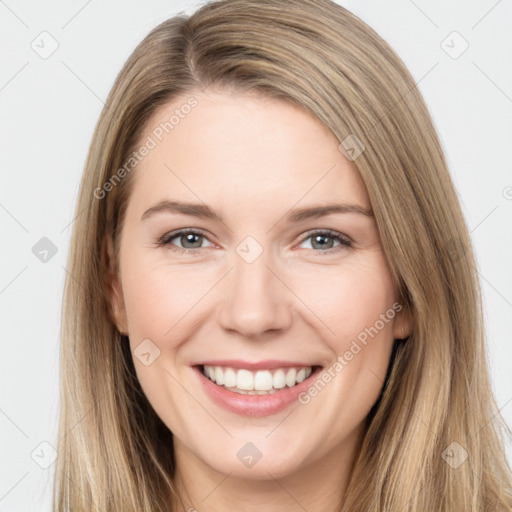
x,y
304,299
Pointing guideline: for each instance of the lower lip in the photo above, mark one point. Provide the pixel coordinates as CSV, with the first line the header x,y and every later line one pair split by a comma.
x,y
254,405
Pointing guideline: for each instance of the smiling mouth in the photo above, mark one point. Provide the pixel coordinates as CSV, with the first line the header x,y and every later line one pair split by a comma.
x,y
258,382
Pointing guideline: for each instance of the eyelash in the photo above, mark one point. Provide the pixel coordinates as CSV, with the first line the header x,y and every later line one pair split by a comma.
x,y
345,241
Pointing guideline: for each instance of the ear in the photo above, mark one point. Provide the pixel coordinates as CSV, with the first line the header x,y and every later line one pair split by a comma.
x,y
403,325
115,291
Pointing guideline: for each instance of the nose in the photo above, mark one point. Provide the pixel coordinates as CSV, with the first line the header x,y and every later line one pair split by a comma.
x,y
255,300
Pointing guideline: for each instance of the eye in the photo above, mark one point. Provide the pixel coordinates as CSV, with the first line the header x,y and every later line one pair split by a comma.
x,y
325,240
189,239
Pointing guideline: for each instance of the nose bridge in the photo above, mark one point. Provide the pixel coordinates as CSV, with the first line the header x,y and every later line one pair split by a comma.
x,y
255,300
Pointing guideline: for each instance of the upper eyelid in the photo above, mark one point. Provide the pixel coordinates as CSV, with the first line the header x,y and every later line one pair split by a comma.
x,y
330,232
167,237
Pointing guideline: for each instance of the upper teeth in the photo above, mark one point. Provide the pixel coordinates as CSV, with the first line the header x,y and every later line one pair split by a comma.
x,y
260,380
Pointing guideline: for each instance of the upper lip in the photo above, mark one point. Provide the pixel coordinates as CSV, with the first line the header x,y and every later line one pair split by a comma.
x,y
254,365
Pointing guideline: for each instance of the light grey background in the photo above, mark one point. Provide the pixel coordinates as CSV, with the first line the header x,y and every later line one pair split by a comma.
x,y
49,108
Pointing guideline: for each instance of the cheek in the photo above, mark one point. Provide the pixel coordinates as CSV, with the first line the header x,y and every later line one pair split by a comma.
x,y
159,299
358,305
348,300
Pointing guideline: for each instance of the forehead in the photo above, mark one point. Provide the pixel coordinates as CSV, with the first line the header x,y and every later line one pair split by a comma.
x,y
243,150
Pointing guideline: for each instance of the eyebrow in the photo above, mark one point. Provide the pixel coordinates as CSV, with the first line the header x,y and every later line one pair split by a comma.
x,y
297,215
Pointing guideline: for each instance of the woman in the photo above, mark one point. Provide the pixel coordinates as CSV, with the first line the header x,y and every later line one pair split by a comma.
x,y
274,302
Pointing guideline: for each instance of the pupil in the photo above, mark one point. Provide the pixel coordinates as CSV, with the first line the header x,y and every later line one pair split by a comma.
x,y
317,238
189,237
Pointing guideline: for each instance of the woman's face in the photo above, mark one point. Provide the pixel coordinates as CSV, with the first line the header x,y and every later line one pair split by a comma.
x,y
264,290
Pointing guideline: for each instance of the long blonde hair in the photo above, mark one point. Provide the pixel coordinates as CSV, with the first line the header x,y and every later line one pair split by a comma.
x,y
115,454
